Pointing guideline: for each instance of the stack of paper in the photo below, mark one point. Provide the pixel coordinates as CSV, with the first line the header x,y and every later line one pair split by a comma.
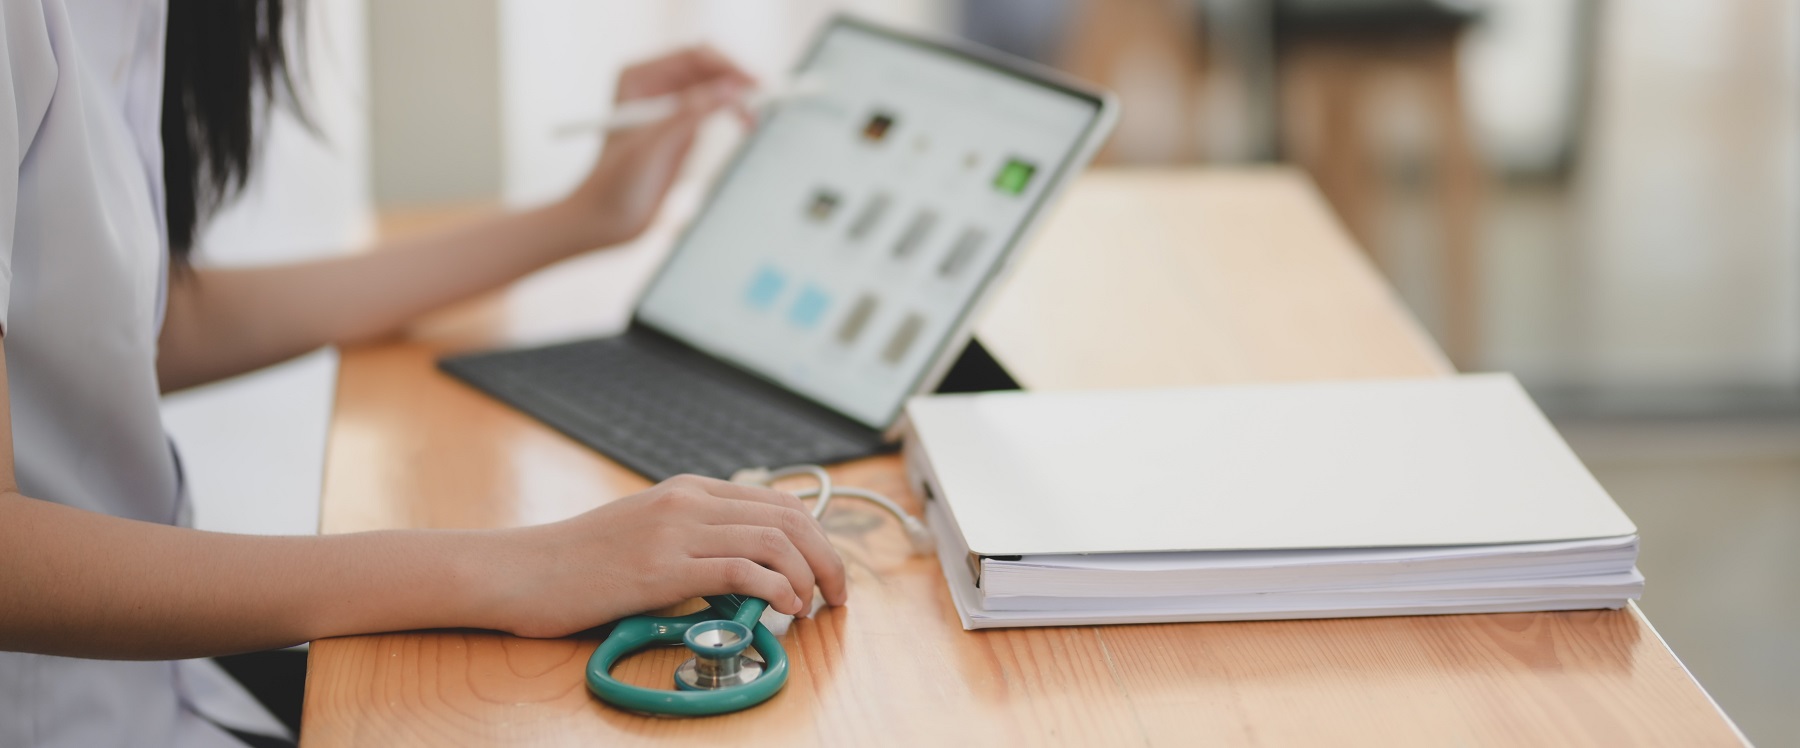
x,y
1282,501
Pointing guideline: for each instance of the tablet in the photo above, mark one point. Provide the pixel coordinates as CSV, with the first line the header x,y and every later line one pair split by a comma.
x,y
843,252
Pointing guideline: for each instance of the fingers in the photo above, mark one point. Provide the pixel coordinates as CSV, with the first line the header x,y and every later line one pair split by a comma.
x,y
766,546
682,70
725,489
700,100
801,530
709,61
755,505
744,116
742,576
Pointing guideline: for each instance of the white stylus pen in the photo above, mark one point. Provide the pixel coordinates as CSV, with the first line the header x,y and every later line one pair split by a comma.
x,y
651,110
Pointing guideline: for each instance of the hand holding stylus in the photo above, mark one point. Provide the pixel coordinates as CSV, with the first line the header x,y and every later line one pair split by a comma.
x,y
626,187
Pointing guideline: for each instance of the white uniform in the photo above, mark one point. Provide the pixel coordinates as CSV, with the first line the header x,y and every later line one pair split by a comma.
x,y
83,273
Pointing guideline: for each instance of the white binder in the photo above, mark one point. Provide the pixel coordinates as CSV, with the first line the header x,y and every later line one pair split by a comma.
x,y
1349,498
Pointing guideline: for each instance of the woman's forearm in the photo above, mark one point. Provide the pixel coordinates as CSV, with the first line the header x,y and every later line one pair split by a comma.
x,y
84,584
222,322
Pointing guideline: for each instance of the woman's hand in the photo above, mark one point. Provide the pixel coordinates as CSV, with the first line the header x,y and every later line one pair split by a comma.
x,y
686,537
622,194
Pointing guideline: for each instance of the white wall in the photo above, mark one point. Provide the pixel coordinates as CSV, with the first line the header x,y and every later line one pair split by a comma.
x,y
434,101
253,447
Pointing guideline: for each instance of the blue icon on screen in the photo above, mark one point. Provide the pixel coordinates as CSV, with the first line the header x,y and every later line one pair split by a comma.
x,y
808,308
765,288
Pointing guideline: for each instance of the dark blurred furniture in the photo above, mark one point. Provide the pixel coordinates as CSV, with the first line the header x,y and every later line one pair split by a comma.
x,y
1333,55
1309,73
1032,29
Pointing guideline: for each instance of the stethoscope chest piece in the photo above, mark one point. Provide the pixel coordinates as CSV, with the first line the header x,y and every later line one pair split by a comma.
x,y
719,659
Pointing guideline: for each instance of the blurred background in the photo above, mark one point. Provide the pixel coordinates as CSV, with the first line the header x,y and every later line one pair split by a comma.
x,y
1601,196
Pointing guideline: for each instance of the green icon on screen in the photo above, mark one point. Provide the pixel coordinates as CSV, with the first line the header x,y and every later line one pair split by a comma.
x,y
1014,176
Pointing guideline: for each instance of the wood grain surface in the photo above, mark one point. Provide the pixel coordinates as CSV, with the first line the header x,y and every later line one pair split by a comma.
x,y
1142,278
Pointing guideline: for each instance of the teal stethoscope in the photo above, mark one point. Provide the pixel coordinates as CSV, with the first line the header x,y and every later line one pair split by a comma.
x,y
722,676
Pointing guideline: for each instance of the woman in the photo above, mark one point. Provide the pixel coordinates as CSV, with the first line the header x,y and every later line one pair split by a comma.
x,y
113,160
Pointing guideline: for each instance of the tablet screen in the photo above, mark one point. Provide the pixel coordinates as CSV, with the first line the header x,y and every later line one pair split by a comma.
x,y
858,225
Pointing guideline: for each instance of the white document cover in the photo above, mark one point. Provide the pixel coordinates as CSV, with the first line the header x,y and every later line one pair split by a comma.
x,y
1431,462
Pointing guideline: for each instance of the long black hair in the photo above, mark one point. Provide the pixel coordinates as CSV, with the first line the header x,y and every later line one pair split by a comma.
x,y
225,64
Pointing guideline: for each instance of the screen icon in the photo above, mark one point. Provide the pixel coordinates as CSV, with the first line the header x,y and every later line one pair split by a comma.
x,y
857,320
871,214
765,288
915,234
876,129
962,252
808,308
902,341
1014,176
824,203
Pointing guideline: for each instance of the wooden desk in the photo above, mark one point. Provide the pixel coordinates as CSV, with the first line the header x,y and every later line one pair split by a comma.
x,y
1143,278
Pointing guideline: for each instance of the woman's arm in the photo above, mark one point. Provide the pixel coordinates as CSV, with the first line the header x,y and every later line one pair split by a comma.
x,y
224,322
83,584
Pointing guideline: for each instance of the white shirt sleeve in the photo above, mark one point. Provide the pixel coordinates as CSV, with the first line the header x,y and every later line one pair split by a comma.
x,y
27,79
